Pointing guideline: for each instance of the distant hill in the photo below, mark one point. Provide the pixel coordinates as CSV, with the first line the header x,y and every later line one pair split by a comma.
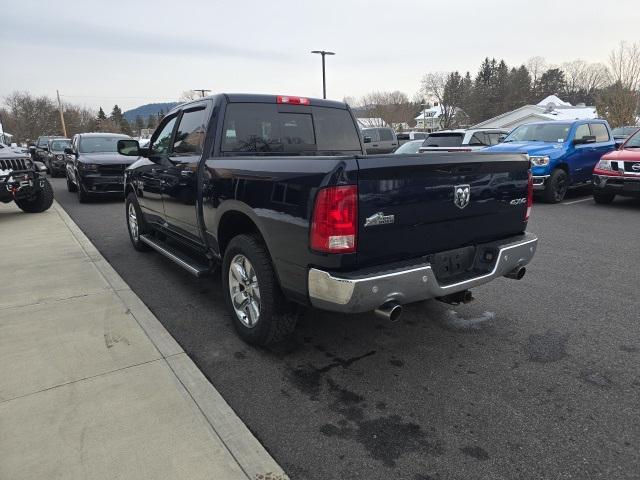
x,y
149,109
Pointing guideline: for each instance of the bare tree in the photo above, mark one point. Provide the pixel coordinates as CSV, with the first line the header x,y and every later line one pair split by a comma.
x,y
619,102
584,79
537,66
392,107
434,88
624,66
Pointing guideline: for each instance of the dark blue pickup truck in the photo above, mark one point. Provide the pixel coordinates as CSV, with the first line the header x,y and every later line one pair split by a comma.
x,y
279,192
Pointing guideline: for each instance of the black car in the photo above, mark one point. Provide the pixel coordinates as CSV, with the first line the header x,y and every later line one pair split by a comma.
x,y
94,166
279,191
55,160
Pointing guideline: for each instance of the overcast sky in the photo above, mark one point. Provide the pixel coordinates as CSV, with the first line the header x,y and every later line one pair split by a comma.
x,y
98,53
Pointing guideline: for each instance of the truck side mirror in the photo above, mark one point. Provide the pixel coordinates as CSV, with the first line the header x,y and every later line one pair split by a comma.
x,y
68,150
366,139
129,148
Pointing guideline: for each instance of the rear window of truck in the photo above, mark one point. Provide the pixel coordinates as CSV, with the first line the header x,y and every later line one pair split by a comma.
x,y
443,140
261,128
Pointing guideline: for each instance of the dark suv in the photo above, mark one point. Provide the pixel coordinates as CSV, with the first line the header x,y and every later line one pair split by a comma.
x,y
94,166
55,159
40,149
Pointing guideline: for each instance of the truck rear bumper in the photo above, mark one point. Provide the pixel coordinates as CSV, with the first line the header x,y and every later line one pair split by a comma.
x,y
362,292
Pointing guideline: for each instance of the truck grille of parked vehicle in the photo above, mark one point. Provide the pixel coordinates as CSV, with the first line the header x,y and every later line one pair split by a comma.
x,y
15,164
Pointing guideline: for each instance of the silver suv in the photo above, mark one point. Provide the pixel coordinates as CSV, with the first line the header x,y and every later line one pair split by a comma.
x,y
463,140
379,140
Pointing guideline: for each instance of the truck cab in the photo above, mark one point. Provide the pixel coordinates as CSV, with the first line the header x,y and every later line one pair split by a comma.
x,y
563,154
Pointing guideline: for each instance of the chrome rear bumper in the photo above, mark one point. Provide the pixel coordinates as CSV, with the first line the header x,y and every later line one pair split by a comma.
x,y
353,293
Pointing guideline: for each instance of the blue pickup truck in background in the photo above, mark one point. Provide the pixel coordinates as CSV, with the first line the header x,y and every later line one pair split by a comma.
x,y
562,153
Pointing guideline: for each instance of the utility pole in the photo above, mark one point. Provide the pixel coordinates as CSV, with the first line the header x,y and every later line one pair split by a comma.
x,y
324,78
64,127
202,91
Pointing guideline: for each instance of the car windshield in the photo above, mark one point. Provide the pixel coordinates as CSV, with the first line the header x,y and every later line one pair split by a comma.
x,y
624,131
409,147
100,144
59,145
540,132
634,141
443,140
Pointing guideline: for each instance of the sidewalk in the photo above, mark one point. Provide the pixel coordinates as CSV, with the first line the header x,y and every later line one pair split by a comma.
x,y
91,384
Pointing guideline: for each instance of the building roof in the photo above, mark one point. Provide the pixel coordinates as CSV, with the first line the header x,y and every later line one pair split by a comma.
x,y
547,109
433,112
555,100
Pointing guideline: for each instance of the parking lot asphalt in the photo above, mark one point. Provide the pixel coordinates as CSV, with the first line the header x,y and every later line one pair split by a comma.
x,y
535,379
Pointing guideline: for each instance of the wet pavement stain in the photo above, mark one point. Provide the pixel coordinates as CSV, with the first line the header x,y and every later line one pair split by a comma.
x,y
475,452
596,378
547,347
385,438
396,362
307,378
629,348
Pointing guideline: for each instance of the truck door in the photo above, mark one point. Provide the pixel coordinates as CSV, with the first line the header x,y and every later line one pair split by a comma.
x,y
583,158
149,180
604,143
180,178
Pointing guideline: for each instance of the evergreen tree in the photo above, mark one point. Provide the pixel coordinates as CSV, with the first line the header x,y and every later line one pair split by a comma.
x,y
519,91
552,82
116,115
101,114
152,121
125,127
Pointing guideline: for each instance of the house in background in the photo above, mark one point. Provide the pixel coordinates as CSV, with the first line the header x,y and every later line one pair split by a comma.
x,y
429,119
551,108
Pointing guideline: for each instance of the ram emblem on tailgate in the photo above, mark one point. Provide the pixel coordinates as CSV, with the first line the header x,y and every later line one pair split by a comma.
x,y
461,195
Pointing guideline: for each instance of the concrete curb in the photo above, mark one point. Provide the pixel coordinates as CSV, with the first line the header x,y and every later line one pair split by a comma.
x,y
252,457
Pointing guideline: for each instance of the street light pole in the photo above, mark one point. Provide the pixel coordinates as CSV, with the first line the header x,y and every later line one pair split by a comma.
x,y
324,78
202,91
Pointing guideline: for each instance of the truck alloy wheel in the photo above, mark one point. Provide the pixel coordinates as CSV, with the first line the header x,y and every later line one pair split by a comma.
x,y
133,222
244,290
261,314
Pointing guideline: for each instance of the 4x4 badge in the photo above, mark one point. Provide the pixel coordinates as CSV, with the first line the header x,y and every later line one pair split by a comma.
x,y
379,219
461,195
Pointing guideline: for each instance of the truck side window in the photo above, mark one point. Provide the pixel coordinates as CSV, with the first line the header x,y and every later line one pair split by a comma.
x,y
161,142
385,135
191,132
582,131
600,132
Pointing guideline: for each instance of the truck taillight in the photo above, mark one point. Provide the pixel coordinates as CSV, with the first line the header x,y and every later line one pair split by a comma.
x,y
529,197
292,100
335,220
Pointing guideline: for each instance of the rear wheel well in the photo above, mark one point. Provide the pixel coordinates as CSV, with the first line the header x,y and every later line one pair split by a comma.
x,y
233,224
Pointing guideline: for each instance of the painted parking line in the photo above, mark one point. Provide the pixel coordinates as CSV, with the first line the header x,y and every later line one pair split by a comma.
x,y
578,201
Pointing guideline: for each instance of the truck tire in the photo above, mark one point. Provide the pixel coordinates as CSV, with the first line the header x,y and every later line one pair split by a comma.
x,y
83,196
261,315
40,202
556,186
603,198
71,187
136,225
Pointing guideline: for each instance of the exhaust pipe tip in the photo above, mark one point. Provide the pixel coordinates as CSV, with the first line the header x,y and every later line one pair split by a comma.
x,y
389,311
517,273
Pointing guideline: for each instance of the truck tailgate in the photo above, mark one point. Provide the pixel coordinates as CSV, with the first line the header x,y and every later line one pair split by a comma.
x,y
407,206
